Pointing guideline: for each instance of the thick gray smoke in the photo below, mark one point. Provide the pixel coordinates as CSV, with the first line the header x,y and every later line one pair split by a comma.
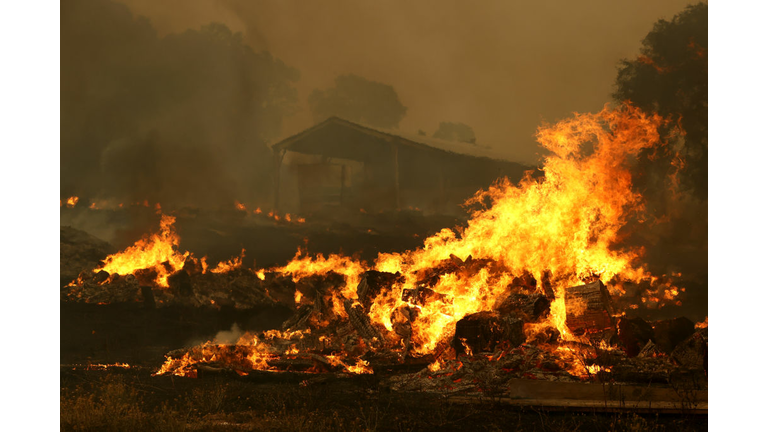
x,y
230,336
181,119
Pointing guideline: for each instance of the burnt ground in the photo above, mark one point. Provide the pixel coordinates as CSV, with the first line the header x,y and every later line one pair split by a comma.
x,y
131,333
131,399
134,400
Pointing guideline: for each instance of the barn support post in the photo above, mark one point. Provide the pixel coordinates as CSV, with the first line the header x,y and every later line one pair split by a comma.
x,y
278,163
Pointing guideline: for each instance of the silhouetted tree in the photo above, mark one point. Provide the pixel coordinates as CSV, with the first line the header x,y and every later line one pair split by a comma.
x,y
451,131
670,77
359,100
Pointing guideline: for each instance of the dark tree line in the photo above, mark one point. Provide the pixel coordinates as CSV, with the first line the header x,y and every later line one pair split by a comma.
x,y
183,118
670,77
360,100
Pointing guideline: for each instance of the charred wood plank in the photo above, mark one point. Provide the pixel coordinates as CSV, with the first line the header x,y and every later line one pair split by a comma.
x,y
452,264
401,319
100,277
422,295
372,283
528,307
316,286
146,276
483,331
361,321
649,350
207,371
546,285
299,319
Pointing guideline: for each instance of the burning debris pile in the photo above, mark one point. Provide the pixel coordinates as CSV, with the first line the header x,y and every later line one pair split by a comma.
x,y
482,350
536,285
153,271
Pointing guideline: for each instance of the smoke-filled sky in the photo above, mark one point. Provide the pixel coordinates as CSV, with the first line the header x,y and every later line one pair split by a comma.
x,y
502,67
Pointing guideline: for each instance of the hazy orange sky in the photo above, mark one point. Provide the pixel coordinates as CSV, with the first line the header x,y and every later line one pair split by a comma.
x,y
503,67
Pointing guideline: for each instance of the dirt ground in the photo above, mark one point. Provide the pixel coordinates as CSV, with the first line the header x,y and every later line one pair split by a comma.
x,y
134,400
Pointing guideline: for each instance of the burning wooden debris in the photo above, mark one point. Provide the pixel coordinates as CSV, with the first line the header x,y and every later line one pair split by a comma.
x,y
499,345
534,270
239,288
483,331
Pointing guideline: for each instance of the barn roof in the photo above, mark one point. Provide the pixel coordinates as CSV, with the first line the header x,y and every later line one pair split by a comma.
x,y
299,143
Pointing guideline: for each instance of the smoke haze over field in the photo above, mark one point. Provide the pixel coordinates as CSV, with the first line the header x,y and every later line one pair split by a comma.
x,y
180,119
160,104
500,66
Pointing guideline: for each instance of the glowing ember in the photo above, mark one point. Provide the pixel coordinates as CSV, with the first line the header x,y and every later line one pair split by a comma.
x,y
94,366
703,324
435,366
361,367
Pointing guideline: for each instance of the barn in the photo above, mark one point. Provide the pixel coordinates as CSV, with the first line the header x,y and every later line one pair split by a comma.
x,y
338,164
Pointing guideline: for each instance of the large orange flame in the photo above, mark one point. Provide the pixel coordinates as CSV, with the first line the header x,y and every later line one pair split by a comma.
x,y
565,224
563,228
158,252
